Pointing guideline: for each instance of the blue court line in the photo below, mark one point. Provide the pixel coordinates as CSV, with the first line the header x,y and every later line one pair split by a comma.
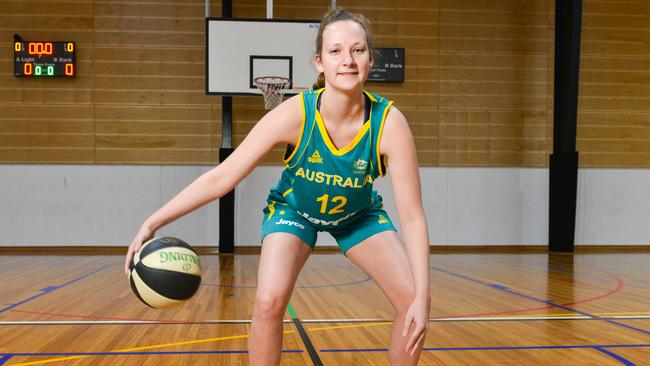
x,y
548,302
597,276
600,348
614,355
555,267
504,348
4,359
49,289
312,286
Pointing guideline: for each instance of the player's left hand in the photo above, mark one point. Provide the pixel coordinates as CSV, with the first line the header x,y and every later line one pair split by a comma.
x,y
417,321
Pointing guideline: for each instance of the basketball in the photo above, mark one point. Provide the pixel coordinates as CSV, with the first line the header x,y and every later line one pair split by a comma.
x,y
165,272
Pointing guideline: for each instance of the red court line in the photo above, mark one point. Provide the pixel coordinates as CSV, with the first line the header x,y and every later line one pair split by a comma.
x,y
101,317
620,285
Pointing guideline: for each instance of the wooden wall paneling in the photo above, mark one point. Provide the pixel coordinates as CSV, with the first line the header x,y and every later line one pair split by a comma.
x,y
46,120
478,88
151,106
493,83
614,104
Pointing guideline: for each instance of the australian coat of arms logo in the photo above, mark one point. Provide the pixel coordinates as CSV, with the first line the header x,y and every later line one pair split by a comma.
x,y
360,166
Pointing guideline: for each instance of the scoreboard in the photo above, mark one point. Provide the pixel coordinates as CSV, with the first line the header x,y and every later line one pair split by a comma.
x,y
44,59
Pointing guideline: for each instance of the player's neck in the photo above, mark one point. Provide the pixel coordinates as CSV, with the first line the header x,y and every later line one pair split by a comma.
x,y
338,107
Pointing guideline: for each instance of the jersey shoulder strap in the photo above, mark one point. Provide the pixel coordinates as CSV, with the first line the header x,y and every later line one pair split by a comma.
x,y
378,112
293,154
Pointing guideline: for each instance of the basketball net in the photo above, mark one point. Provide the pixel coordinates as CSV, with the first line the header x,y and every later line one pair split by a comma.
x,y
272,87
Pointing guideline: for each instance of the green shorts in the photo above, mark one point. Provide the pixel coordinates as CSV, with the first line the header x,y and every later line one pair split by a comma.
x,y
279,217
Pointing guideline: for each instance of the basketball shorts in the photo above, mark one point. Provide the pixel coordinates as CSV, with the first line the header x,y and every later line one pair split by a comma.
x,y
279,217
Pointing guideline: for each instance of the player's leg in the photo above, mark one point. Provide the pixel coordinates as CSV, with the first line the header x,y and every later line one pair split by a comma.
x,y
283,256
384,258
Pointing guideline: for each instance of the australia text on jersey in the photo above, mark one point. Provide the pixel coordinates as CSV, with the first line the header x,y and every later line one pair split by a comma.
x,y
332,179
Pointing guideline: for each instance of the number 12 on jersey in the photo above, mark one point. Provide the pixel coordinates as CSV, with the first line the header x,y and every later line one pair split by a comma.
x,y
337,209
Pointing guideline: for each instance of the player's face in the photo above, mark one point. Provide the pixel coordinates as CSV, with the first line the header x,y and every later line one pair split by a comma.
x,y
345,58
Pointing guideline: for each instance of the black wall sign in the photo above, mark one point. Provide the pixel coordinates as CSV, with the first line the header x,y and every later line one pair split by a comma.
x,y
389,66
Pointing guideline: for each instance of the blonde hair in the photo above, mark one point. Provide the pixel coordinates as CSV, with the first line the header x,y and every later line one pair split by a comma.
x,y
335,15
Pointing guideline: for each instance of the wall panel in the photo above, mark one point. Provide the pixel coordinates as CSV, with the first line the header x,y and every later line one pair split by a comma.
x,y
478,88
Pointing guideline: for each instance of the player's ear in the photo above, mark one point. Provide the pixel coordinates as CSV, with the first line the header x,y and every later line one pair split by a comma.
x,y
318,63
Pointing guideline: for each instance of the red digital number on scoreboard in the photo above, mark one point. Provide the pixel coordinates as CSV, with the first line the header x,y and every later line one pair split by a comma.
x,y
39,48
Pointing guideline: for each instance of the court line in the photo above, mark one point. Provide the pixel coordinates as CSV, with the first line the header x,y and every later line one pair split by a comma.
x,y
571,271
5,358
497,286
126,350
598,316
49,289
128,322
350,326
24,354
600,348
615,356
78,355
609,293
619,287
98,317
343,350
550,303
595,275
302,286
315,359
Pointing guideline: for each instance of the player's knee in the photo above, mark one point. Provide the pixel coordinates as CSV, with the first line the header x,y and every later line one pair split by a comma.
x,y
269,305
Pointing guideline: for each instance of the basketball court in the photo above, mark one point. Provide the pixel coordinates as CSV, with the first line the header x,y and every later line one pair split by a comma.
x,y
500,294
489,308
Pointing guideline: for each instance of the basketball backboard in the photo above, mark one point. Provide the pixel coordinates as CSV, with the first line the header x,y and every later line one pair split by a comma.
x,y
240,50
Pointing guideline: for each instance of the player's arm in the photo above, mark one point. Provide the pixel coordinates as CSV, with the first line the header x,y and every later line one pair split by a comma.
x,y
398,147
280,125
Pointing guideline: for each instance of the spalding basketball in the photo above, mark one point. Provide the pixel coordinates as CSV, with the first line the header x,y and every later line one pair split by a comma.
x,y
165,272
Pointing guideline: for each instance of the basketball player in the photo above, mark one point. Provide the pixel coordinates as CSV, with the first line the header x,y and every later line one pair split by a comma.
x,y
339,139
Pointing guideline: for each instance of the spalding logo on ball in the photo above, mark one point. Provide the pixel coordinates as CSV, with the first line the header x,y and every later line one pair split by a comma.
x,y
165,272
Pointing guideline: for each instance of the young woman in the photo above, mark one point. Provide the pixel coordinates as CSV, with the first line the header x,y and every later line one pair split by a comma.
x,y
339,139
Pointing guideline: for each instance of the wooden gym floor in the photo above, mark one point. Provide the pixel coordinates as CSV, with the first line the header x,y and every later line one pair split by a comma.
x,y
487,309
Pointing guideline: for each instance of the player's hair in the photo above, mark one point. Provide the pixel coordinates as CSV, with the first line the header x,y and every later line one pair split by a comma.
x,y
335,15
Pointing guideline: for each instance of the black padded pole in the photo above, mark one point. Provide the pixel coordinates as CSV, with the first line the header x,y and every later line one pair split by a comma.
x,y
226,213
227,202
563,170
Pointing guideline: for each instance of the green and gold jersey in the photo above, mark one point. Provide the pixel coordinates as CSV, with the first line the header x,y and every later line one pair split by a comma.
x,y
329,186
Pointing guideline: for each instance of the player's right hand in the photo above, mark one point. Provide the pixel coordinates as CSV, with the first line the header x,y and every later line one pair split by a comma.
x,y
142,236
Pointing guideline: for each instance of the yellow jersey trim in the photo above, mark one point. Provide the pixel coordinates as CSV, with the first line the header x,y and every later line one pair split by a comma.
x,y
381,130
330,144
326,136
303,150
287,192
302,129
372,98
271,210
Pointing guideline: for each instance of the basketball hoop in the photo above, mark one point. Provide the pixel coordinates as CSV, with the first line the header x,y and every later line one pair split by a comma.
x,y
272,88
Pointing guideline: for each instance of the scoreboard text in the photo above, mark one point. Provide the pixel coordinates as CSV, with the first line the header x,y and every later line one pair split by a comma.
x,y
44,59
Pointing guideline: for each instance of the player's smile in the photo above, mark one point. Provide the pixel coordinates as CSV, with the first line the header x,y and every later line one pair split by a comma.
x,y
346,57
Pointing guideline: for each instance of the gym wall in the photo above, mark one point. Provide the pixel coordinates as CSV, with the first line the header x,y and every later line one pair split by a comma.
x,y
478,97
